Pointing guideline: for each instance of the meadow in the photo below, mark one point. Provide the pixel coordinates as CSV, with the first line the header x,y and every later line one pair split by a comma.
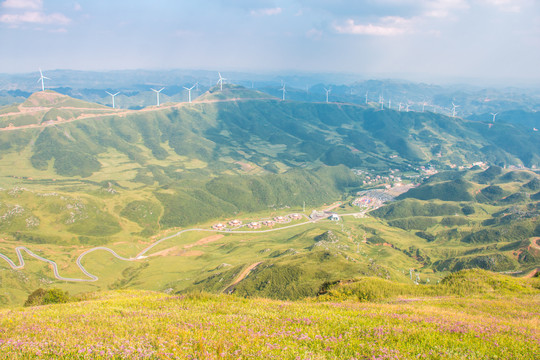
x,y
148,325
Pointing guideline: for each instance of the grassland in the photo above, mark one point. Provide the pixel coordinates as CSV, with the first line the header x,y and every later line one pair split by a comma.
x,y
127,179
500,322
409,240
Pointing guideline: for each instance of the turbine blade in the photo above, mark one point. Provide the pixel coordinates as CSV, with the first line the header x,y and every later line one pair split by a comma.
x,y
109,93
116,93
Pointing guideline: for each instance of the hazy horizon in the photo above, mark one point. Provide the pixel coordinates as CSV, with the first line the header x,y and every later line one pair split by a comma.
x,y
441,41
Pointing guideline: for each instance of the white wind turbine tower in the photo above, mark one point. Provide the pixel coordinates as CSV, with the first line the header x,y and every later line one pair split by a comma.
x,y
389,103
189,91
424,106
366,96
113,95
454,106
400,105
41,79
407,107
381,101
494,115
157,93
327,92
220,81
284,91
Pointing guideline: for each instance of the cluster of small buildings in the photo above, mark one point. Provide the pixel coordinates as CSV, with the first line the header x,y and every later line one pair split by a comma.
x,y
367,202
381,179
219,226
258,224
428,170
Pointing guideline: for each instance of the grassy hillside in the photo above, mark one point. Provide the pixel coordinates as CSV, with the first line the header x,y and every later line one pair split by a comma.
x,y
495,320
124,179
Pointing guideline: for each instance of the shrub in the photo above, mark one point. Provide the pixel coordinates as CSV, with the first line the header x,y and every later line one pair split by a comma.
x,y
44,297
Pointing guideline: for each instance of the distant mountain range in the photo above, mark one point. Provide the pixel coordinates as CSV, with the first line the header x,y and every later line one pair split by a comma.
x,y
135,87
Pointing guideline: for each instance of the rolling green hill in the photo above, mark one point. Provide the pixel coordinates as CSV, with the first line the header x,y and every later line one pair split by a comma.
x,y
84,175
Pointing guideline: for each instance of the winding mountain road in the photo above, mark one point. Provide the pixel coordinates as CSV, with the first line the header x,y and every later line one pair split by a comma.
x,y
139,256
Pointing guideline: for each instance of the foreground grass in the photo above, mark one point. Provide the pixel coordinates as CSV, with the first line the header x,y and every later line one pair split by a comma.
x,y
135,325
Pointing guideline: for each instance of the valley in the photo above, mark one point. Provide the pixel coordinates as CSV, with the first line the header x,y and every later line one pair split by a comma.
x,y
101,199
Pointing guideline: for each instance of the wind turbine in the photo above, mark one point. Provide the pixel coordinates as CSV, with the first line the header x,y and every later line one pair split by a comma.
x,y
400,105
366,96
407,107
284,91
220,81
157,93
454,106
41,79
494,115
113,95
381,101
327,92
424,106
189,91
389,103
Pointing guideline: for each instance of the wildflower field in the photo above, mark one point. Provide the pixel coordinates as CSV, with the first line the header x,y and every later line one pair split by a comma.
x,y
151,325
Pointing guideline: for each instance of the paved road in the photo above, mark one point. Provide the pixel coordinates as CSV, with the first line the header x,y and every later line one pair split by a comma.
x,y
140,255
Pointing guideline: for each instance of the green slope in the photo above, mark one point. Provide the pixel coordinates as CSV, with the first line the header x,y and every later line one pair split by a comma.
x,y
127,179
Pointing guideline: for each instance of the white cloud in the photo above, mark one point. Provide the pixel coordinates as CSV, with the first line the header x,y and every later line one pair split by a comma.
x,y
34,17
23,4
266,12
389,26
77,7
30,12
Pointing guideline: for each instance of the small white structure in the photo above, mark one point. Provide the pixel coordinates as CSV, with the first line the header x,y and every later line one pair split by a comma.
x,y
254,225
280,219
334,217
218,226
235,222
295,216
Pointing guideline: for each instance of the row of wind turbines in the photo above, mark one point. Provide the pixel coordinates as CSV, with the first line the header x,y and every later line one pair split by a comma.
x,y
283,89
42,78
220,82
381,102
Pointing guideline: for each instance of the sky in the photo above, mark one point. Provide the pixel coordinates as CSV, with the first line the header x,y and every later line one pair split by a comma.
x,y
496,40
